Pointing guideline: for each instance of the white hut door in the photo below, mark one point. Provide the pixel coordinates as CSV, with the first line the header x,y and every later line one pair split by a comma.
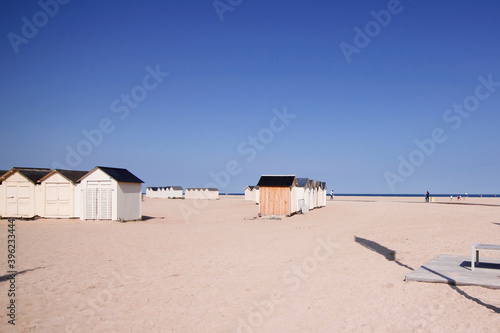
x,y
18,200
98,201
57,200
11,200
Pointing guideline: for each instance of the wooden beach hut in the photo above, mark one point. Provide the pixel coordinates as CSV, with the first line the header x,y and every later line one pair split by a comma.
x,y
57,193
197,193
110,194
277,195
20,192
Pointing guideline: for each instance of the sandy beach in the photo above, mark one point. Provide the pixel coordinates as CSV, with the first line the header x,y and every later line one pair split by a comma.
x,y
225,271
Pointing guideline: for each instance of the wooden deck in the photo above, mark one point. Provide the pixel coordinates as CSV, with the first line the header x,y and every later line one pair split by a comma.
x,y
456,270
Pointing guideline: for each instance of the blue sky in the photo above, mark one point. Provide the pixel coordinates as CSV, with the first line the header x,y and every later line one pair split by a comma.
x,y
351,123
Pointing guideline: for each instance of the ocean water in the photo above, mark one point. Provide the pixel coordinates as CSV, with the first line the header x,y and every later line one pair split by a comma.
x,y
401,195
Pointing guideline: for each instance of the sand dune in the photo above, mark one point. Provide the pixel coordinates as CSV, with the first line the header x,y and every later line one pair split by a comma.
x,y
222,271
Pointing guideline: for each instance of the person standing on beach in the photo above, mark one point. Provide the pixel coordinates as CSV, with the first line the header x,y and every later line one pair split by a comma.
x,y
427,197
331,195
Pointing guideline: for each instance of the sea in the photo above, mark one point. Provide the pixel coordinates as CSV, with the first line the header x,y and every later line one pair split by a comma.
x,y
402,195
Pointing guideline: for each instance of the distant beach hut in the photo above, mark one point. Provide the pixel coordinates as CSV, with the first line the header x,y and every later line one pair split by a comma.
x,y
198,193
110,194
164,192
20,192
277,195
252,193
57,193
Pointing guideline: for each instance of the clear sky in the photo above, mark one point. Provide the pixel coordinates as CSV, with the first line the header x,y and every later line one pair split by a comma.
x,y
180,92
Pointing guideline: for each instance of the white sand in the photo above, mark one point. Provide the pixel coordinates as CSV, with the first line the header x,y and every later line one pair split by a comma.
x,y
222,272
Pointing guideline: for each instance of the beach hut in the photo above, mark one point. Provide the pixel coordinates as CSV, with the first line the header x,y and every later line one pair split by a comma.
x,y
303,193
252,193
175,192
20,192
323,195
110,194
57,193
197,193
277,195
164,192
2,202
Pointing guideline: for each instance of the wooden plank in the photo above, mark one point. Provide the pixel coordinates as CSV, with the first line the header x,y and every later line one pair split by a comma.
x,y
456,270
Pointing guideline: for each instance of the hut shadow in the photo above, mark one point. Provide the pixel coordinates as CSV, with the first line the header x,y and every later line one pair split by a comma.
x,y
495,223
391,256
7,277
147,218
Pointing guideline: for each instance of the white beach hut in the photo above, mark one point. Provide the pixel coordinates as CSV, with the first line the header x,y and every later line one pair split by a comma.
x,y
252,193
197,193
110,194
166,192
20,192
303,192
2,196
57,193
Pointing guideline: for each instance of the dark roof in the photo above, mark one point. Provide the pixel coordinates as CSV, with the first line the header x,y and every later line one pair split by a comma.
x,y
33,174
252,187
120,175
73,175
276,181
301,182
177,188
323,185
203,188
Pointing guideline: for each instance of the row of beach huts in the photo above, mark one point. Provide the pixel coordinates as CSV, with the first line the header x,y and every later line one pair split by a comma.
x,y
106,193
176,192
286,195
100,194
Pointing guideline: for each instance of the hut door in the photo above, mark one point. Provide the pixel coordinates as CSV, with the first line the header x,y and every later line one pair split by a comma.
x,y
18,200
98,201
57,200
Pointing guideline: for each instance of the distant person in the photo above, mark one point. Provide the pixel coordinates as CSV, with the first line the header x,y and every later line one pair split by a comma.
x,y
451,197
427,197
331,195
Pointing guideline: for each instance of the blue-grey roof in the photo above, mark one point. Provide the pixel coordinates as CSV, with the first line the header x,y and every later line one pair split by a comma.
x,y
121,175
212,189
301,182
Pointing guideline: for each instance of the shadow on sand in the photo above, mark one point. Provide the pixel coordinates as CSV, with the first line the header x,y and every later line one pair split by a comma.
x,y
7,277
391,256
